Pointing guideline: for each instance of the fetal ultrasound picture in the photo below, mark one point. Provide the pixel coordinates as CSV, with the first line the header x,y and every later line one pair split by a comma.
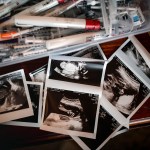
x,y
15,102
131,51
82,72
69,110
12,94
122,88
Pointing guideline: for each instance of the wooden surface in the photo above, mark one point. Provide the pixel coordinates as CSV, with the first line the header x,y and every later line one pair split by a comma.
x,y
13,136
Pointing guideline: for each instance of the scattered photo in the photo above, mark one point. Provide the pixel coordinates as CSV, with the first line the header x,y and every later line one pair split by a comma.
x,y
133,54
107,127
39,75
122,88
15,102
35,92
94,52
67,112
82,71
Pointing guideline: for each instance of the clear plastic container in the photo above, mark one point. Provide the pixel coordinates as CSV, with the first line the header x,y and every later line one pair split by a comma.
x,y
145,8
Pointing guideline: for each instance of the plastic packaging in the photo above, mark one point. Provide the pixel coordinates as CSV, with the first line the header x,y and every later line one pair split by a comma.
x,y
140,18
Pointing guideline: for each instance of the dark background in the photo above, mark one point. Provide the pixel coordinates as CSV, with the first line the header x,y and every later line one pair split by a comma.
x,y
135,139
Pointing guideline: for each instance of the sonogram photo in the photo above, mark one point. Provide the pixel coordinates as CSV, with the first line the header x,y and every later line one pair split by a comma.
x,y
83,72
130,50
69,111
12,94
122,88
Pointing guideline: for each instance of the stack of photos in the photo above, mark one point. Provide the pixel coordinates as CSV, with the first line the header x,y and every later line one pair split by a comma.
x,y
35,92
127,83
126,88
82,97
73,87
15,101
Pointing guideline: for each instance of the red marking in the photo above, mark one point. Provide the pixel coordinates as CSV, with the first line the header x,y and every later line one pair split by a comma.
x,y
92,25
61,1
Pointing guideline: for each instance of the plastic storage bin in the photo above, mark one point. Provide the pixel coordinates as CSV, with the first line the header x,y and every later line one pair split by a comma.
x,y
145,8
